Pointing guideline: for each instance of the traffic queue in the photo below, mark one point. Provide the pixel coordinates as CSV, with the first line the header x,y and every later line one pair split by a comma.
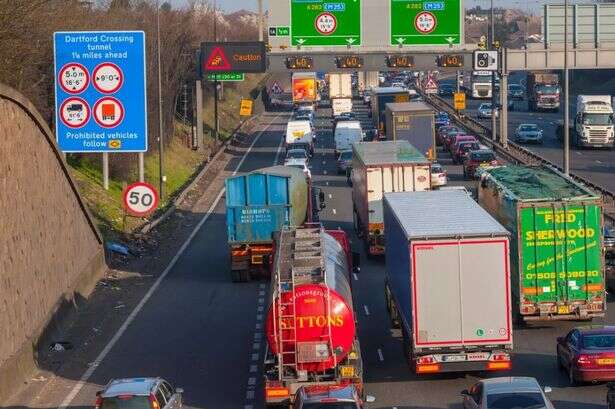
x,y
532,237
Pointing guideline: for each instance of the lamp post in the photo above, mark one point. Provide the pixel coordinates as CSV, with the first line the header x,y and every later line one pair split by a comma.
x,y
566,95
493,80
160,123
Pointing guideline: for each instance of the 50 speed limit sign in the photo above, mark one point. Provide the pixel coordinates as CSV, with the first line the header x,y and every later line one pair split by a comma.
x,y
140,199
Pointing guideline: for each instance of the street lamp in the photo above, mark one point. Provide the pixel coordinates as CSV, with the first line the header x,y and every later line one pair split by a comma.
x,y
160,123
566,95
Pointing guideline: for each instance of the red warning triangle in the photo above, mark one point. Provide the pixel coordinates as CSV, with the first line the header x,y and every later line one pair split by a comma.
x,y
430,83
217,61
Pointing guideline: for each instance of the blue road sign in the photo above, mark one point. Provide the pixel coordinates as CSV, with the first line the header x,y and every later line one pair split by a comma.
x,y
101,100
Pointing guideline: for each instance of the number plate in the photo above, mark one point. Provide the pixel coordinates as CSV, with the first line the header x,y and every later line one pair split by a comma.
x,y
563,309
454,358
478,356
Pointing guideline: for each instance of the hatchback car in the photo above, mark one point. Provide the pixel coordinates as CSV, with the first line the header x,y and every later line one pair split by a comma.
x,y
442,119
516,91
442,131
481,158
507,393
296,155
446,90
528,133
484,110
139,393
456,139
587,354
462,149
340,397
439,176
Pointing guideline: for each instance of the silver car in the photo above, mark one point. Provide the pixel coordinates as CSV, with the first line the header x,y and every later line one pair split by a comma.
x,y
484,110
528,133
507,392
139,393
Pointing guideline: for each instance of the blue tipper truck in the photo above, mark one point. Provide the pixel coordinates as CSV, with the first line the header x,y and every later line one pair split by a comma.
x,y
258,204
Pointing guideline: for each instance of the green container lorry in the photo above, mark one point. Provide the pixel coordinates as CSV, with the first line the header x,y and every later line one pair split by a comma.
x,y
557,261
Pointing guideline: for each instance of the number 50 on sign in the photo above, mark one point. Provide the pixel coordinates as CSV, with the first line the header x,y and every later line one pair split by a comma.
x,y
140,199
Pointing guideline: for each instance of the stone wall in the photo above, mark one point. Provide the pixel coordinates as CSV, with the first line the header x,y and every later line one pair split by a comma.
x,y
50,250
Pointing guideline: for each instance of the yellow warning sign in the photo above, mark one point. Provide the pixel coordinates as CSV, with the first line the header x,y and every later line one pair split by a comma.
x,y
246,107
460,100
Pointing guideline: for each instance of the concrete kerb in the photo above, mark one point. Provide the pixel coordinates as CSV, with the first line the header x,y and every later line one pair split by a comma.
x,y
180,198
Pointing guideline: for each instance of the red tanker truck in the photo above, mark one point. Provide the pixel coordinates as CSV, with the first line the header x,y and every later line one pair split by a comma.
x,y
311,334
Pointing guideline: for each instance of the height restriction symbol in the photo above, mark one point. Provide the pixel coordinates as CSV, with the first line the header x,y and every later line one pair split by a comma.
x,y
425,22
326,23
74,78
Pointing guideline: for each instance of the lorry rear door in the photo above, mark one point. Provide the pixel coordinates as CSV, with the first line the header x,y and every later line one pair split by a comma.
x,y
561,255
460,291
374,193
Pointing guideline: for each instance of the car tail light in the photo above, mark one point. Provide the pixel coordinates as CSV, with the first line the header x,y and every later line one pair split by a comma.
x,y
585,360
153,402
276,392
99,401
500,357
425,360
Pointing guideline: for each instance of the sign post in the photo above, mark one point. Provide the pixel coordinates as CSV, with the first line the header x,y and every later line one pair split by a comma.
x,y
320,23
246,107
140,199
459,99
426,22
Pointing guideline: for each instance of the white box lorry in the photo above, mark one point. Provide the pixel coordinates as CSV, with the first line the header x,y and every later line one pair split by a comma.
x,y
340,93
379,168
447,282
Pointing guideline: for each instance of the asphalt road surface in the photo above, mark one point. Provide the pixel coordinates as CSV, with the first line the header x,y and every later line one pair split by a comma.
x,y
205,333
596,165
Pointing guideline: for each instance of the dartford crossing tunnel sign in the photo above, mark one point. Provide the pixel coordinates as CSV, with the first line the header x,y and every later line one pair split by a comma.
x,y
100,91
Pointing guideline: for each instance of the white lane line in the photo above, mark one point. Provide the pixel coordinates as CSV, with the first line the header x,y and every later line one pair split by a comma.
x,y
256,346
277,154
253,368
249,395
598,161
258,336
259,326
259,317
261,300
355,276
252,407
254,357
578,153
334,211
380,356
260,309
330,196
324,162
366,310
324,172
262,286
261,293
251,381
103,354
327,183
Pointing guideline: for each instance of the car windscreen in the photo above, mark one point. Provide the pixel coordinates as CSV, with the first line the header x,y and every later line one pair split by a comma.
x,y
126,402
467,147
346,155
485,106
436,169
522,400
329,405
547,89
528,128
599,341
483,156
598,119
296,154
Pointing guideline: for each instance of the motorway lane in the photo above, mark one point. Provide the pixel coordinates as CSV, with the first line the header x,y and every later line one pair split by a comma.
x,y
388,377
596,165
198,327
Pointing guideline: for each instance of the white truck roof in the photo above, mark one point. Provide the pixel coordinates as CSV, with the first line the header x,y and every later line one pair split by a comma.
x,y
348,125
299,131
601,104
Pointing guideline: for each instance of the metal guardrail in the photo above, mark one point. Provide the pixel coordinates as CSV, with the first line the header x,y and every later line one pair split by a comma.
x,y
518,154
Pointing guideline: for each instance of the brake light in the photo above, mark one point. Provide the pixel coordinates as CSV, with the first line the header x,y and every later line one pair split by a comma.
x,y
153,402
277,392
425,360
99,401
500,357
584,360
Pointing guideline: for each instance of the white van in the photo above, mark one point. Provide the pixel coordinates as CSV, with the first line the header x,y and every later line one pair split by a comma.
x,y
300,132
346,133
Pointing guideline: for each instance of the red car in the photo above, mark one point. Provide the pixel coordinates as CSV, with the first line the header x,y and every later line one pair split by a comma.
x,y
476,159
462,149
455,139
587,354
451,133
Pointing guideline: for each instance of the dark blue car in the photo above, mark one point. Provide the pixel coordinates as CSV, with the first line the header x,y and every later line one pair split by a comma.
x,y
442,119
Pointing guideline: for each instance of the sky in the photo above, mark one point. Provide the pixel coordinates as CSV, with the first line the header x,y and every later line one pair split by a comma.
x,y
227,5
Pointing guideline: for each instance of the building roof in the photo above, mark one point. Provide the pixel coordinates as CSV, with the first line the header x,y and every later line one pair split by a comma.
x,y
537,183
442,213
387,152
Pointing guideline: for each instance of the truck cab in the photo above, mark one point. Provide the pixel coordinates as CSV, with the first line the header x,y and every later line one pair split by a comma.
x,y
593,123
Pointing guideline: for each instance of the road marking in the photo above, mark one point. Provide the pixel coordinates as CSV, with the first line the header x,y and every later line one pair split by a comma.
x,y
330,196
277,154
103,354
261,293
261,300
324,162
259,326
579,153
262,286
356,277
259,317
260,309
334,211
253,368
598,161
250,395
252,381
248,407
254,357
380,356
324,172
366,310
256,345
258,336
327,183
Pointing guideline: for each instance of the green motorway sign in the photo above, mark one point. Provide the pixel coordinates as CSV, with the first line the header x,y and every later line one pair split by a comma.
x,y
425,22
325,22
226,77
